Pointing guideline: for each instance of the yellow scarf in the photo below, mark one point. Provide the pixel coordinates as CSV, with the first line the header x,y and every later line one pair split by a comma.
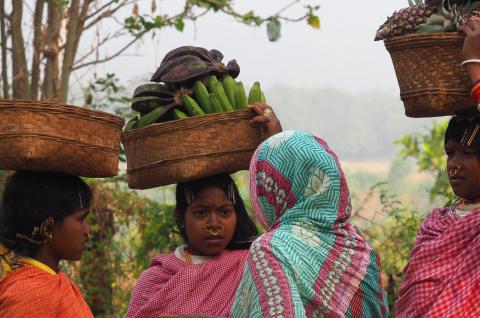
x,y
7,262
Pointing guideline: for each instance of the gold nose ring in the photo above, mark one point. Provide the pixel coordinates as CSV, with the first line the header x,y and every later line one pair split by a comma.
x,y
453,172
213,231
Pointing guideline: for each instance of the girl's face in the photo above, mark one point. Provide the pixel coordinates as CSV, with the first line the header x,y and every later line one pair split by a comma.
x,y
210,222
466,182
70,236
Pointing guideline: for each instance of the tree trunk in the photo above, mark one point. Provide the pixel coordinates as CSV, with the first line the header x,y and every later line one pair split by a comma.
x,y
50,80
3,37
21,88
38,43
76,20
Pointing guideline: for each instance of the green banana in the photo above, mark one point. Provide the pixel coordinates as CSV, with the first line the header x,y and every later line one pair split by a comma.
x,y
219,92
212,83
151,117
263,100
240,96
178,114
217,108
229,87
201,96
131,123
191,106
255,95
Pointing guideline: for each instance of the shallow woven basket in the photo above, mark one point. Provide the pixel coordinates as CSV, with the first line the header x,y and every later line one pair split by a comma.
x,y
190,149
46,136
432,82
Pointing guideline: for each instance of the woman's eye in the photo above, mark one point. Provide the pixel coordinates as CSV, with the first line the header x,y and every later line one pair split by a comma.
x,y
226,211
199,213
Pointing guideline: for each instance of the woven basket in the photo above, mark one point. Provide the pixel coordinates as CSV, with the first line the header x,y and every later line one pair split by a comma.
x,y
432,82
190,149
54,137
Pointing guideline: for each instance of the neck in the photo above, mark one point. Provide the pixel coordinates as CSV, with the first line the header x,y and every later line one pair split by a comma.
x,y
470,201
46,257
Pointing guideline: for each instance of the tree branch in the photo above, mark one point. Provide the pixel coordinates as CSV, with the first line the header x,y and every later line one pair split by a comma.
x,y
74,32
105,14
3,37
21,88
106,59
38,42
50,81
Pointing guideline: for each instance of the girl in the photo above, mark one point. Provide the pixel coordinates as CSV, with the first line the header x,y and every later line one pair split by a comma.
x,y
202,276
42,221
311,262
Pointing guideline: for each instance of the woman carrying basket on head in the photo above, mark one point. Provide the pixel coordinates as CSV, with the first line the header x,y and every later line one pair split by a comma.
x,y
42,221
201,277
442,276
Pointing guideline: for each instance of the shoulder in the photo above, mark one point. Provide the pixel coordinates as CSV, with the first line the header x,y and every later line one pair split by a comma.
x,y
29,288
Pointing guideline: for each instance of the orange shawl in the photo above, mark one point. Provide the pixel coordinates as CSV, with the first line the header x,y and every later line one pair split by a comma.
x,y
33,292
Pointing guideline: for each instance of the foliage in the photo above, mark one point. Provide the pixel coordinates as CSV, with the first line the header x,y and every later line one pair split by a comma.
x,y
428,150
391,232
41,68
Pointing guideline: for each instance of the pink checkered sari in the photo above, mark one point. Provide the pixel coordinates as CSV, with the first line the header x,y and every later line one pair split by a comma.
x,y
443,275
171,287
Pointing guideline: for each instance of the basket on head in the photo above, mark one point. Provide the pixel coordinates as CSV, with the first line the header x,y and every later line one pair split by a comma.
x,y
190,149
432,82
47,136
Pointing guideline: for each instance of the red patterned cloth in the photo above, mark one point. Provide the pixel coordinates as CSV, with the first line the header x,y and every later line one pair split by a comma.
x,y
443,275
169,286
32,292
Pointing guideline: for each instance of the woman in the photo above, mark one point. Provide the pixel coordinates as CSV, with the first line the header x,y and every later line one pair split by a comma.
x,y
42,221
442,276
311,262
201,276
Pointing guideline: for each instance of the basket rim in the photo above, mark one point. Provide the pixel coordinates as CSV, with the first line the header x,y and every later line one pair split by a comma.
x,y
60,140
54,107
425,38
187,158
186,123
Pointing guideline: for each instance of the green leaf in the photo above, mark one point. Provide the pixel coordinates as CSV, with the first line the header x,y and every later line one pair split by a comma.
x,y
179,24
274,29
314,21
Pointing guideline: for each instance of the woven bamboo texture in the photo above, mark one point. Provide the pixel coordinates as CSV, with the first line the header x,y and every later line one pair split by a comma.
x,y
432,82
46,136
190,149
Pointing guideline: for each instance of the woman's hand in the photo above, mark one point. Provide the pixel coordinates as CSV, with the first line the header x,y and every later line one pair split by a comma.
x,y
266,118
471,47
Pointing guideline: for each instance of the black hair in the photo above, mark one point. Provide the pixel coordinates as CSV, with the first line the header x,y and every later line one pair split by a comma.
x,y
245,231
463,128
31,197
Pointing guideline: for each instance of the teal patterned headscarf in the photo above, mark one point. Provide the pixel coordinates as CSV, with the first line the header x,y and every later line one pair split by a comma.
x,y
311,262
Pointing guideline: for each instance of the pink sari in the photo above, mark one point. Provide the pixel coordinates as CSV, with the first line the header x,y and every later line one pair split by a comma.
x,y
443,275
171,287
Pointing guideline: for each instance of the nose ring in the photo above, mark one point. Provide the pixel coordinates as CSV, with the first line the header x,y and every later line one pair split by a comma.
x,y
213,231
453,172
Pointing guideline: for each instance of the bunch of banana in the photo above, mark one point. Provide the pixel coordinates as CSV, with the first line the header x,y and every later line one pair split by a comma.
x,y
185,65
191,81
153,101
218,96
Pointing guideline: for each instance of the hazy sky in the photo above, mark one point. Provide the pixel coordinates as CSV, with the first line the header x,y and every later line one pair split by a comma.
x,y
342,54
